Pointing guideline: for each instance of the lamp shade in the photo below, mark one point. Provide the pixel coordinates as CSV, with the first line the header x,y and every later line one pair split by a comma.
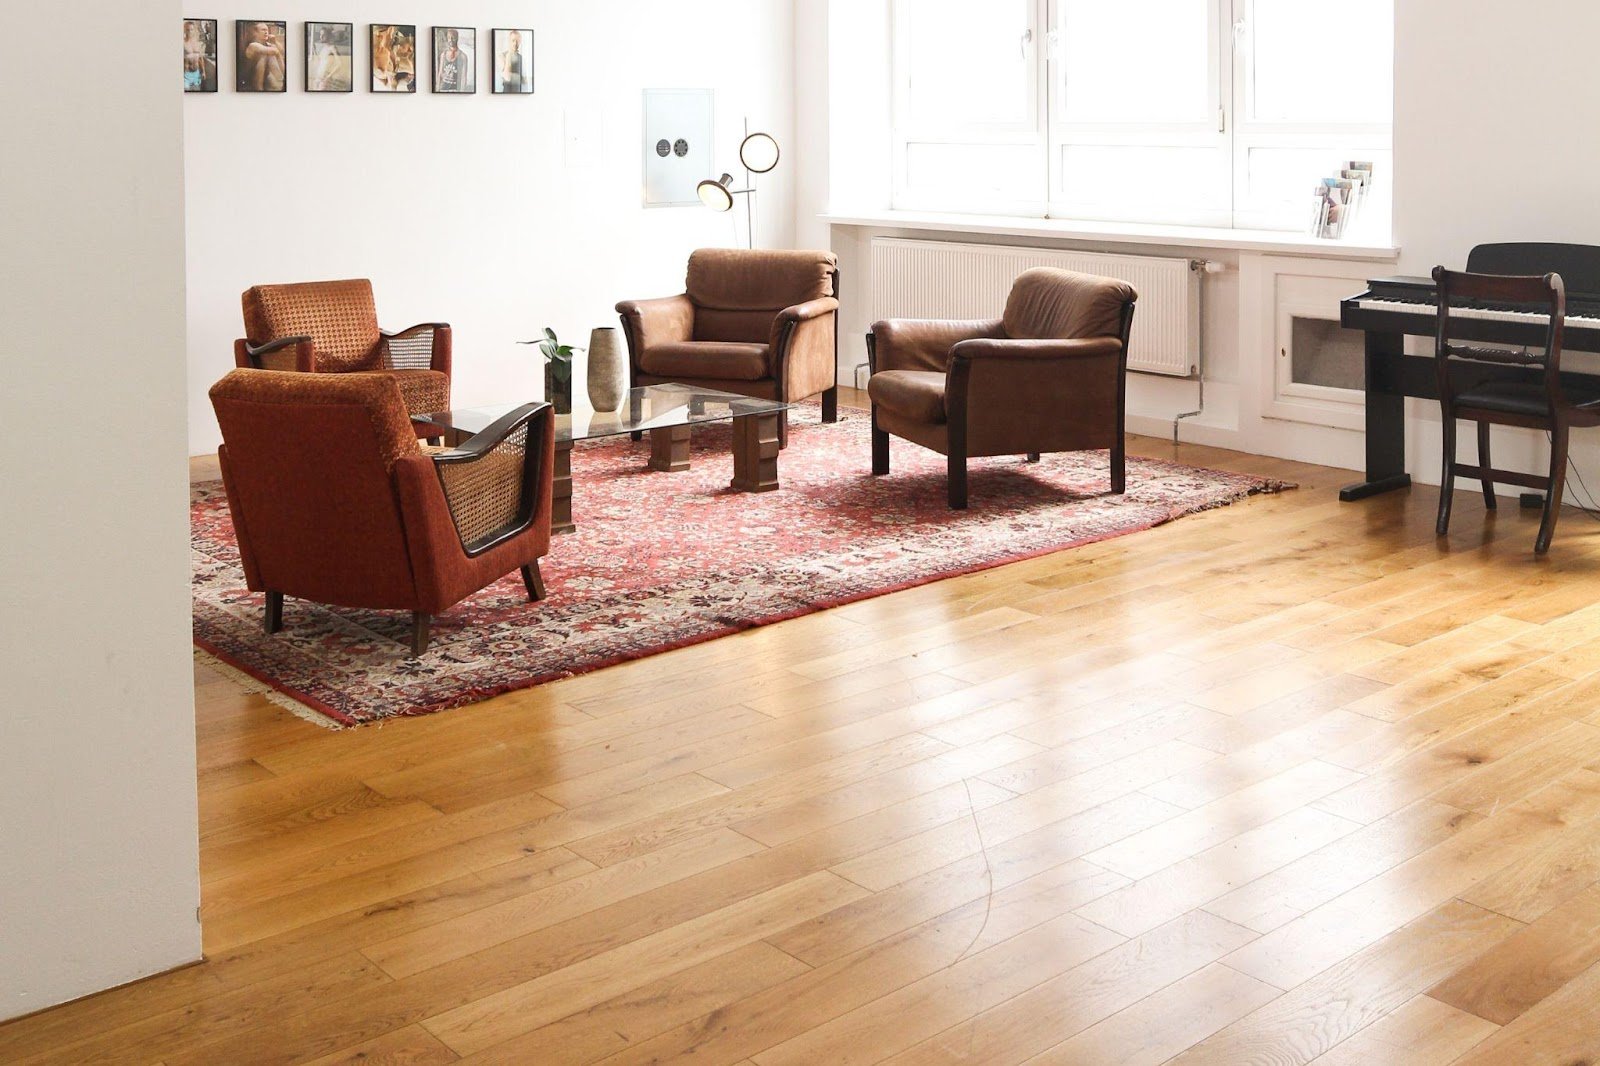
x,y
759,153
716,194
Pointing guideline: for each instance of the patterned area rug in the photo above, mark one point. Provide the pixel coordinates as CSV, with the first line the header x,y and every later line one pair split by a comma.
x,y
661,561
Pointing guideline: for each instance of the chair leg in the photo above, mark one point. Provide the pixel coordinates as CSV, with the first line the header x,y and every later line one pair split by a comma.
x,y
1033,457
783,430
272,621
1489,501
1558,482
1447,479
1119,468
419,633
534,581
880,447
957,465
636,435
830,405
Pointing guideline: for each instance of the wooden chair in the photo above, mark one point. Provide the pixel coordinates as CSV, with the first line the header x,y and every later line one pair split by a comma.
x,y
1525,390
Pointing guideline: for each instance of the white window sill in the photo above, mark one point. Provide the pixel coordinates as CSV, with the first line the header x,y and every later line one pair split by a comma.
x,y
1273,241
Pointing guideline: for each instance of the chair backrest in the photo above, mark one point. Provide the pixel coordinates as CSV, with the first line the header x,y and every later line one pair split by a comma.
x,y
1051,304
308,460
340,317
1546,295
737,293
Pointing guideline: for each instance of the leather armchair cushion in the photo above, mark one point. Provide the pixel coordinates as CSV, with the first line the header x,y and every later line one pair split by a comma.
x,y
734,279
697,360
1046,302
913,395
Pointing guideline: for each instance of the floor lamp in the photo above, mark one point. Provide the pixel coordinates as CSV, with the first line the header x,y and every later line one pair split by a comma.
x,y
758,154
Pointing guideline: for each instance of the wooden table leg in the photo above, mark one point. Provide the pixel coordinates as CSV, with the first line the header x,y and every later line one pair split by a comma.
x,y
755,452
669,449
561,491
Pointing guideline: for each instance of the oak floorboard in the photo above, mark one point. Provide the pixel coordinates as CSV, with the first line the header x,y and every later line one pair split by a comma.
x,y
1291,780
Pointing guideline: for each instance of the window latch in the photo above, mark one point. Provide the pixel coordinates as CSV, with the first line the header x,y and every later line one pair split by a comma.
x,y
1027,39
1222,120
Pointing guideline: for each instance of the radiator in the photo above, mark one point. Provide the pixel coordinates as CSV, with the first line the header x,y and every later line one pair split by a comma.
x,y
938,279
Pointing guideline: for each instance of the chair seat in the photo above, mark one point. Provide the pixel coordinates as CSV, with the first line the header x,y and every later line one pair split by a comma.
x,y
726,360
917,395
1520,397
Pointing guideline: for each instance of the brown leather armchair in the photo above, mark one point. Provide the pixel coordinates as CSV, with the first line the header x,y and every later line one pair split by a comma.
x,y
333,499
1050,376
758,323
331,327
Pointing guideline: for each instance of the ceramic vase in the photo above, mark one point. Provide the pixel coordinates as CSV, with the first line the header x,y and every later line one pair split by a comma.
x,y
608,369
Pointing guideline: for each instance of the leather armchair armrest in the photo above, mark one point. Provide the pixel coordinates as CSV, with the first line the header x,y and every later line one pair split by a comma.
x,y
285,353
1077,348
805,312
407,349
924,344
646,323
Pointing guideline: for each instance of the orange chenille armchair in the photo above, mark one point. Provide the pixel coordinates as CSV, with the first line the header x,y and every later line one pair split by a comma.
x,y
332,327
759,323
334,500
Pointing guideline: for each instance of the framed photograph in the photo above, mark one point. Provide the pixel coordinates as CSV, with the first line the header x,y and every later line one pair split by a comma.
x,y
263,50
455,59
394,58
199,55
513,61
677,145
330,52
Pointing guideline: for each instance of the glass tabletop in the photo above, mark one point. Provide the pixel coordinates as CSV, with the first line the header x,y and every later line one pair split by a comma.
x,y
647,408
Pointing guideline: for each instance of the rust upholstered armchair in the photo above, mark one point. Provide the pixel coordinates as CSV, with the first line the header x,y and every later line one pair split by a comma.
x,y
332,327
758,323
1048,377
334,500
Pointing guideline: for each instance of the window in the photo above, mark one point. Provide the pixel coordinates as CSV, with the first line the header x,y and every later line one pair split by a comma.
x,y
1199,112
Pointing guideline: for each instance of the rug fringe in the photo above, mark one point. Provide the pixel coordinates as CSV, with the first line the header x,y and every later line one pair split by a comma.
x,y
258,688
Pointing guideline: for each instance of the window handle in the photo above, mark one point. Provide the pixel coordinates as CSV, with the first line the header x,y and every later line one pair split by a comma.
x,y
1027,39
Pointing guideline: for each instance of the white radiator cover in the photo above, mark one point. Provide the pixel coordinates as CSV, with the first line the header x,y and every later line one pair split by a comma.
x,y
941,279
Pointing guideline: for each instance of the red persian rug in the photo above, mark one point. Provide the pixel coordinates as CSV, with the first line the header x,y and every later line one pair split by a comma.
x,y
661,561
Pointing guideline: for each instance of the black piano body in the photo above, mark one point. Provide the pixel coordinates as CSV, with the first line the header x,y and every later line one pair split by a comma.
x,y
1393,309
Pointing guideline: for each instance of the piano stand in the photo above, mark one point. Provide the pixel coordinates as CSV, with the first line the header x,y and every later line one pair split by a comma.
x,y
1386,419
1363,489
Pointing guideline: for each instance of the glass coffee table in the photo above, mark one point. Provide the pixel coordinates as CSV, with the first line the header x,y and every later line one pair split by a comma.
x,y
666,412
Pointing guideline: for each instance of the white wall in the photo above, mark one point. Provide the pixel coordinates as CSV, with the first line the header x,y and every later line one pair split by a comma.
x,y
468,209
97,767
1487,102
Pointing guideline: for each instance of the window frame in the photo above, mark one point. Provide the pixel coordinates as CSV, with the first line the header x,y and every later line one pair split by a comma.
x,y
1233,134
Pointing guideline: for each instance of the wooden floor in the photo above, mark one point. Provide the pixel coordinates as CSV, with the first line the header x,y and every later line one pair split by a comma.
x,y
1285,782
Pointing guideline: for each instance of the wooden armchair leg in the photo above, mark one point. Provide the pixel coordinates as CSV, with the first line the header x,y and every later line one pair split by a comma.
x,y
272,621
636,435
957,466
1558,483
1119,469
534,581
783,430
880,447
1033,457
830,405
419,633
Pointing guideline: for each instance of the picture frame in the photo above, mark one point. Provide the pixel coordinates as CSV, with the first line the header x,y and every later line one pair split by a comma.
x,y
392,57
330,57
512,54
261,55
455,60
199,55
679,126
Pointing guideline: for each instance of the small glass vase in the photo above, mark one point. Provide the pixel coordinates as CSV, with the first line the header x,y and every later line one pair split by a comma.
x,y
557,393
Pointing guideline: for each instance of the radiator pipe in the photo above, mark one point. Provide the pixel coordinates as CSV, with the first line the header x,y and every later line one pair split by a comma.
x,y
1208,267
